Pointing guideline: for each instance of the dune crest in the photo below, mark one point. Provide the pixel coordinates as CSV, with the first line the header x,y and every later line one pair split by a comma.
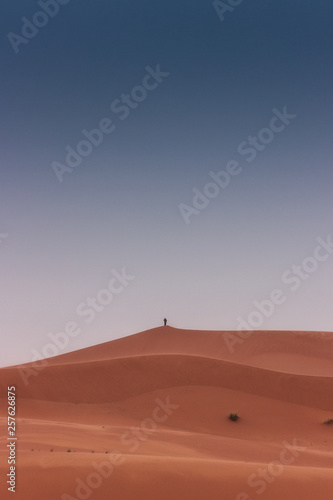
x,y
153,408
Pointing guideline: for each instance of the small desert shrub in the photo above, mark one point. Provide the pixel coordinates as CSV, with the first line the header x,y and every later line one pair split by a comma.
x,y
68,451
52,449
233,417
329,421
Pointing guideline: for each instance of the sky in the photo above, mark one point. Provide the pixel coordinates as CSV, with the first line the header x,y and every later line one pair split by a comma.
x,y
202,189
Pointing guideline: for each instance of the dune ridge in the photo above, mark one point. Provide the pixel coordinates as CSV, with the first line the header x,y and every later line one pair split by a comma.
x,y
161,399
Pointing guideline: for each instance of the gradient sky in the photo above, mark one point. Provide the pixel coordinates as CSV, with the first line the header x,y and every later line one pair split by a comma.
x,y
119,208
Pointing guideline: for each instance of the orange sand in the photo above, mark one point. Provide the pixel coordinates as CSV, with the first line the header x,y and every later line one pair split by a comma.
x,y
107,405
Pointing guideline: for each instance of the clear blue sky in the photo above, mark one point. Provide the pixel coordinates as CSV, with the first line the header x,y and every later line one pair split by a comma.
x,y
179,94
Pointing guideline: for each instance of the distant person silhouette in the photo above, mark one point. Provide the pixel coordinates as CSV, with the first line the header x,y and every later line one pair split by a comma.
x,y
165,321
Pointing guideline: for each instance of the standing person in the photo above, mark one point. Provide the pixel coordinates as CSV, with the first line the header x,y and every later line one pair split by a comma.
x,y
165,321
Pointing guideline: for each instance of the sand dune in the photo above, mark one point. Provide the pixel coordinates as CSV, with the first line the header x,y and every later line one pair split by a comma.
x,y
146,417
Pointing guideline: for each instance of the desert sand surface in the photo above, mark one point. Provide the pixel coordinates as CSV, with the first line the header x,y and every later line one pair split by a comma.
x,y
146,418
